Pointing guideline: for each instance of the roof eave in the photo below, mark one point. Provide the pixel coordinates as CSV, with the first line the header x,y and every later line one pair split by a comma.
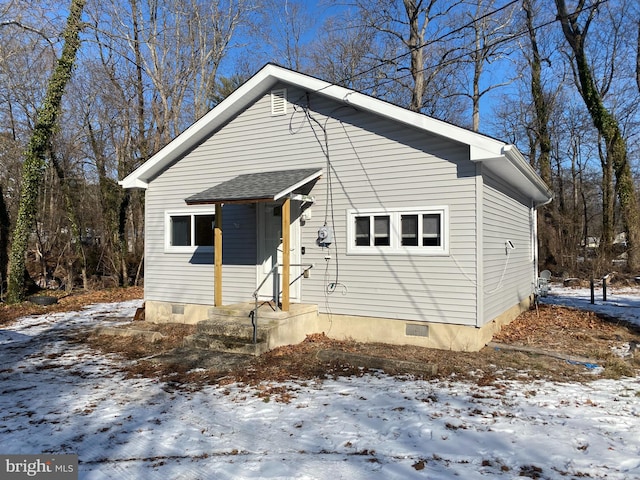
x,y
130,182
201,129
266,78
511,166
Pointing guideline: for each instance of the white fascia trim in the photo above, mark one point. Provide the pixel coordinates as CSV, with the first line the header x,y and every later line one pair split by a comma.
x,y
480,145
199,130
516,158
133,183
290,189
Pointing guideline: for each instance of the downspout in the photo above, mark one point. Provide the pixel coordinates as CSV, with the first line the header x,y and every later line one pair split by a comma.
x,y
534,227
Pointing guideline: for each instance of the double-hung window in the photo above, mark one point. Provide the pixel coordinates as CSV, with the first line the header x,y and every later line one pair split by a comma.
x,y
185,231
421,231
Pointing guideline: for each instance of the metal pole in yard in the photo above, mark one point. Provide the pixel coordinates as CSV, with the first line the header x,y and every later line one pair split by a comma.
x,y
593,298
604,288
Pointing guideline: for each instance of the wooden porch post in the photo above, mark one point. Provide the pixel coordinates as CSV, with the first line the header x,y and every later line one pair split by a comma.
x,y
217,257
286,253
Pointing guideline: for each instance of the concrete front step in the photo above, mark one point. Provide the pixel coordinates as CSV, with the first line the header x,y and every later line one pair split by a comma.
x,y
230,331
229,328
225,344
241,311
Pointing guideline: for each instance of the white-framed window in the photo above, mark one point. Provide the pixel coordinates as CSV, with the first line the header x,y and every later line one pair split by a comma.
x,y
188,230
412,230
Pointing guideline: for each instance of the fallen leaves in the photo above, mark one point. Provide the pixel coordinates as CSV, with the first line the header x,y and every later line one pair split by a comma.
x,y
549,327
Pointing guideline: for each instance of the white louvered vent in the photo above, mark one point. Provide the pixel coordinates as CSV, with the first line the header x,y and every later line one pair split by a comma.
x,y
279,101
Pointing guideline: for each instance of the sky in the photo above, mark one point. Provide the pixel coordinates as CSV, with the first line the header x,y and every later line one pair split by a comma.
x,y
59,396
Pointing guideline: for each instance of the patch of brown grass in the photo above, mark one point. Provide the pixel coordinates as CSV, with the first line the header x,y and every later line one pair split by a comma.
x,y
550,328
68,302
132,347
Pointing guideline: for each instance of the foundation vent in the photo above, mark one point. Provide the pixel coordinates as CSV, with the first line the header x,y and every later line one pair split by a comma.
x,y
279,101
416,330
177,309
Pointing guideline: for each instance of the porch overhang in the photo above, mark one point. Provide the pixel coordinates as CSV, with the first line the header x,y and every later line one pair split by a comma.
x,y
256,187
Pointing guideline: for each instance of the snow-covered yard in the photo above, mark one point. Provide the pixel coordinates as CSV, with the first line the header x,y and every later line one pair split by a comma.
x,y
58,396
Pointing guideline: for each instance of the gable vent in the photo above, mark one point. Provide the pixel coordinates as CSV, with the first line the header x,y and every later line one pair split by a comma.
x,y
279,101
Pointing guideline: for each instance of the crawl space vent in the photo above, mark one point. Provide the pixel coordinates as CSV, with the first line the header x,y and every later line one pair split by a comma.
x,y
279,101
177,309
416,330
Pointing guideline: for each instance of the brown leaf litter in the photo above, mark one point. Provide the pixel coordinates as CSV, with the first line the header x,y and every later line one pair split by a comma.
x,y
547,329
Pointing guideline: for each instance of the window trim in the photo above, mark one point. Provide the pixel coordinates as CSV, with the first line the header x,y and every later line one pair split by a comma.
x,y
192,212
395,216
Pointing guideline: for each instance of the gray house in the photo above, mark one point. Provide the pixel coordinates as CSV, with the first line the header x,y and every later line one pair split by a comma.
x,y
381,224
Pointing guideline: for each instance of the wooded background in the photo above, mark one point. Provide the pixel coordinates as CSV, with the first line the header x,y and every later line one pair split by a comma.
x,y
558,78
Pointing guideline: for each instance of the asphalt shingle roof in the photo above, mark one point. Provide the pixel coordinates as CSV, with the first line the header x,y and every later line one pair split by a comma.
x,y
255,186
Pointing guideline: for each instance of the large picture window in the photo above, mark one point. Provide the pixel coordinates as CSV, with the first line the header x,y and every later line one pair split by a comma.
x,y
186,231
411,230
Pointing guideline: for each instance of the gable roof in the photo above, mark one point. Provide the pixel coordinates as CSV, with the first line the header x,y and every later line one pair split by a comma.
x,y
503,160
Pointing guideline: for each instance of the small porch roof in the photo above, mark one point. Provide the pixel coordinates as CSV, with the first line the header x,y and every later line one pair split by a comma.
x,y
256,187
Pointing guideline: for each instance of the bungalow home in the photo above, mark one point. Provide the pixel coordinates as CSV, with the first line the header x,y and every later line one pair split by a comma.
x,y
394,226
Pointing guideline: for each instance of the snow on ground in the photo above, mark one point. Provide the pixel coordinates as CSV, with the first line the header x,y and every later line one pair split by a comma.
x,y
59,396
623,303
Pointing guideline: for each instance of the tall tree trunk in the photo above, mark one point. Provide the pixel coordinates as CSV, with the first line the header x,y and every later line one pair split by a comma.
x,y
143,143
4,239
76,230
547,222
415,44
34,163
606,124
122,239
638,57
608,207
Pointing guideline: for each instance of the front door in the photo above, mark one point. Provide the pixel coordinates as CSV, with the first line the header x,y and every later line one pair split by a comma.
x,y
270,250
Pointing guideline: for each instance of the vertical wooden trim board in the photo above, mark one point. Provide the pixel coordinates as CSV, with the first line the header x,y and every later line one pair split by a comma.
x,y
286,253
217,257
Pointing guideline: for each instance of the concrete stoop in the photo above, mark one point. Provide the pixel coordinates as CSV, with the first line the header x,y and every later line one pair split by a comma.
x,y
228,329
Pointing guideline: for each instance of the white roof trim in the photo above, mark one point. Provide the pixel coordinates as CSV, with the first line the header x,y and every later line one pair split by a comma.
x,y
482,148
287,191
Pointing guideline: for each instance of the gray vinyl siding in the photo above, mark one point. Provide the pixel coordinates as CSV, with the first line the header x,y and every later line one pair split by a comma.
x,y
507,278
186,277
374,164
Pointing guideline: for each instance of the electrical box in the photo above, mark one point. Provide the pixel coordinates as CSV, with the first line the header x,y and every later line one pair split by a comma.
x,y
325,236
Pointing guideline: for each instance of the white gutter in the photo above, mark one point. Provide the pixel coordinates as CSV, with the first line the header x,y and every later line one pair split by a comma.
x,y
513,155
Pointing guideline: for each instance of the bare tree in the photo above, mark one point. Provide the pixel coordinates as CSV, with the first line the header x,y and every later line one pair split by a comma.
x,y
4,239
575,27
345,53
283,32
542,103
153,75
34,163
419,43
638,55
490,29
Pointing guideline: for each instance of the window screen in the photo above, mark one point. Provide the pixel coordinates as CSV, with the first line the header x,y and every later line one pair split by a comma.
x,y
363,231
431,230
204,230
181,230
